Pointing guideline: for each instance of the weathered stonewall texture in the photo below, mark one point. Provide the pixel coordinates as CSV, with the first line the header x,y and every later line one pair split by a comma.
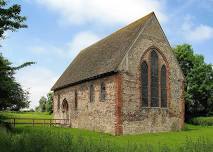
x,y
122,111
96,115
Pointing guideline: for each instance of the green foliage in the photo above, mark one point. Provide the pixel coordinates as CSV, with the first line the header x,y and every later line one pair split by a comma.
x,y
203,121
49,105
199,81
12,96
45,103
42,104
10,18
75,140
4,125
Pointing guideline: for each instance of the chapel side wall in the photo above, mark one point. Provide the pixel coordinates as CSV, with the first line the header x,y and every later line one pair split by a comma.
x,y
140,120
95,116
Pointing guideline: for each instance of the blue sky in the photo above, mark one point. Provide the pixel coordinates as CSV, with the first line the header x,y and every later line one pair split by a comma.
x,y
59,29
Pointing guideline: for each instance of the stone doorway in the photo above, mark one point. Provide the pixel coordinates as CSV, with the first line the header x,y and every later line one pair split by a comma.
x,y
65,112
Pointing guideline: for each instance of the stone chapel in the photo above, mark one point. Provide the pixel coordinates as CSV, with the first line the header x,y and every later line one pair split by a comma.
x,y
127,83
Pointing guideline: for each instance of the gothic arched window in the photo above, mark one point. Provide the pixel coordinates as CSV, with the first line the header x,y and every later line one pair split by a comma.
x,y
163,87
144,84
76,100
154,80
58,103
103,91
65,106
91,93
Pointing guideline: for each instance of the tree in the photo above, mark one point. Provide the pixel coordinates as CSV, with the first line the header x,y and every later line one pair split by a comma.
x,y
42,104
49,105
10,18
12,96
199,81
45,103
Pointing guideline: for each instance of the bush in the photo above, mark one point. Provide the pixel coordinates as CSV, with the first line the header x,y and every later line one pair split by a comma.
x,y
4,125
203,121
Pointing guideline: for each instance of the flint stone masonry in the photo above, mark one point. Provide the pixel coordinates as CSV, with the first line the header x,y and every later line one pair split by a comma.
x,y
122,111
137,119
96,115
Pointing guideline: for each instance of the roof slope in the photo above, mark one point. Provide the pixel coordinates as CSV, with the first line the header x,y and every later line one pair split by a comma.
x,y
102,57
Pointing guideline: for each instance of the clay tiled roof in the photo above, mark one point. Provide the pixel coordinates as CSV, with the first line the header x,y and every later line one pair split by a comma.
x,y
102,57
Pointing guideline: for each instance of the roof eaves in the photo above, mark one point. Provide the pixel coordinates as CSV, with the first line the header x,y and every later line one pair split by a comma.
x,y
85,80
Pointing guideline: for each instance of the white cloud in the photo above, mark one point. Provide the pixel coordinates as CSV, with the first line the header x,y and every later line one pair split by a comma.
x,y
81,41
70,50
37,80
200,33
47,49
196,33
105,11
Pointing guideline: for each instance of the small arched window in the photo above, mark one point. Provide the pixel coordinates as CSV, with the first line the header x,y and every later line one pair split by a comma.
x,y
163,87
91,93
103,91
76,100
64,106
154,79
144,84
58,103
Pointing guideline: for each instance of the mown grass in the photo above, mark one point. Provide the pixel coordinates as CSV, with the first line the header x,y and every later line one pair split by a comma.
x,y
54,139
203,121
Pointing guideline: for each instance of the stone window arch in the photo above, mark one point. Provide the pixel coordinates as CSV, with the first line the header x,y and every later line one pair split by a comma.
x,y
103,92
144,83
154,79
76,99
163,86
58,103
91,93
65,106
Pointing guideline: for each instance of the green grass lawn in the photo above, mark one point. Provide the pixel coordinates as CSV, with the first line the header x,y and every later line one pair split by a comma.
x,y
35,115
28,117
166,138
23,138
192,138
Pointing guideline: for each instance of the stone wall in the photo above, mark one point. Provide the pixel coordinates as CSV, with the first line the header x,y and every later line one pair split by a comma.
x,y
135,118
96,115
